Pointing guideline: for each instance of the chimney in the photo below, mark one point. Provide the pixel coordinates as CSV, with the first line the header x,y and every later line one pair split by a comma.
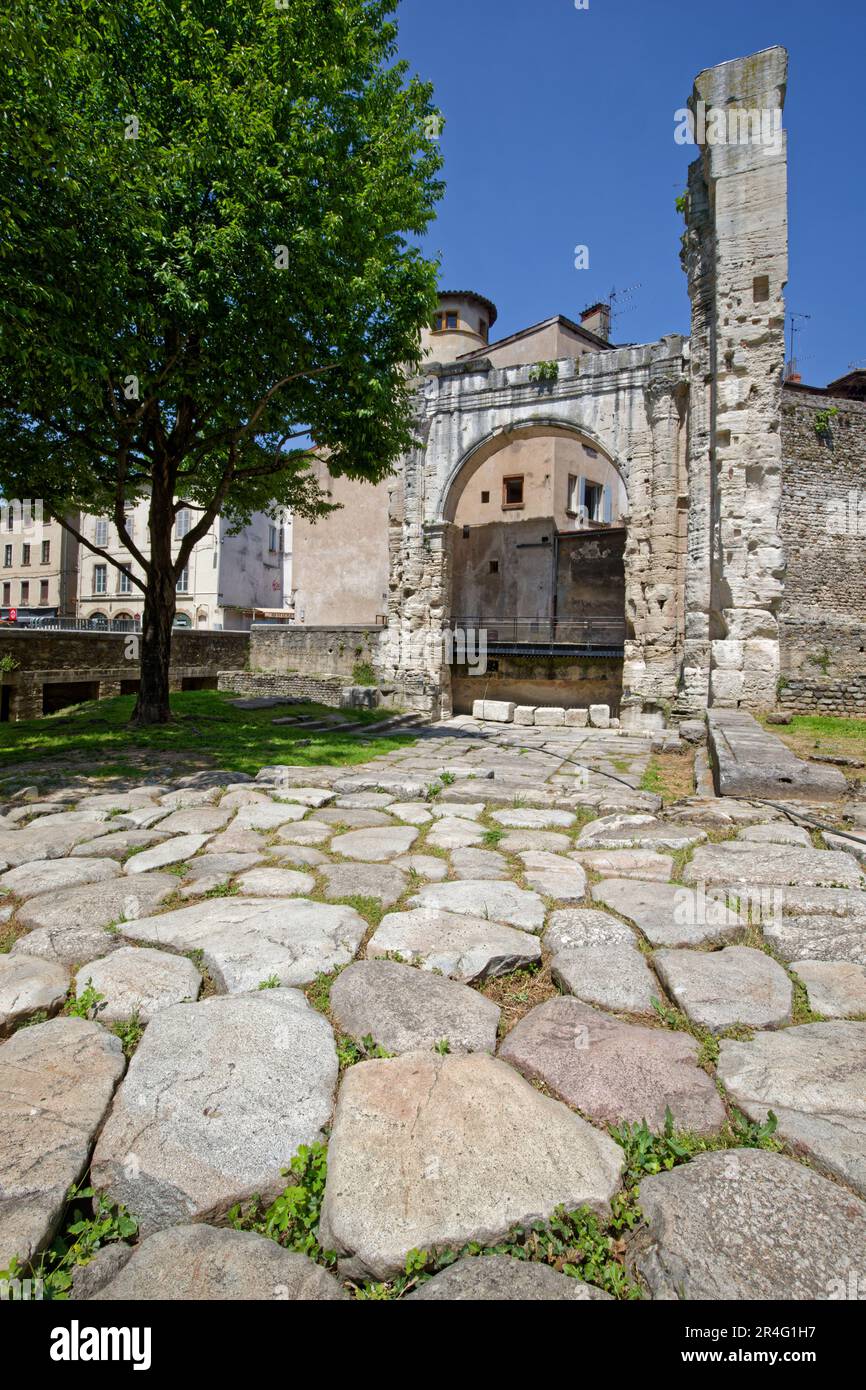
x,y
596,319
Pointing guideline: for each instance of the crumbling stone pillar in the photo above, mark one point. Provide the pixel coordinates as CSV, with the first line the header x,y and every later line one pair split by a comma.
x,y
737,254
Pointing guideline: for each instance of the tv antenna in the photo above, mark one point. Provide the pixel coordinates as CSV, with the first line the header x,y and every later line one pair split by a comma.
x,y
616,296
792,361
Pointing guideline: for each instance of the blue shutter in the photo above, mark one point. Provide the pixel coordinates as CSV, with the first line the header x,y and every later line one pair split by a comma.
x,y
581,500
607,505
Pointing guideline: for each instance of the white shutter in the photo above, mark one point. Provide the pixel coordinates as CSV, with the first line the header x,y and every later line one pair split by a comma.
x,y
607,505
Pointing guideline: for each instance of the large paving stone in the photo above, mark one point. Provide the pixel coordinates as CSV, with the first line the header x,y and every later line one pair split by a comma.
x,y
357,819
426,865
275,883
199,1263
197,820
612,977
479,863
406,1010
836,989
308,832
219,868
455,834
268,817
301,856
717,989
29,985
748,1225
171,851
40,841
399,1179
753,762
614,1071
136,979
382,881
53,875
640,831
117,845
69,926
234,841
827,938
247,940
217,1099
553,876
813,1078
498,901
56,1083
776,833
375,844
532,818
515,841
307,796
462,947
501,1278
669,914
626,863
739,862
572,928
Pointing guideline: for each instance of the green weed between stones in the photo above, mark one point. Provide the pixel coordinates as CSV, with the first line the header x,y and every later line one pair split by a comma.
x,y
82,1235
292,1220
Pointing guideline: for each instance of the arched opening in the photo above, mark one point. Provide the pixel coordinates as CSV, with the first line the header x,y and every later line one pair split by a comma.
x,y
537,543
182,620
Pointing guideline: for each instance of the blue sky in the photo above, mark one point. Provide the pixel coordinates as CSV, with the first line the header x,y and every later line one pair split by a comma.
x,y
560,132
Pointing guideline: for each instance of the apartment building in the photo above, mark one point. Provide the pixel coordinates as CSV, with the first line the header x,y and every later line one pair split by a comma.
x,y
228,579
38,563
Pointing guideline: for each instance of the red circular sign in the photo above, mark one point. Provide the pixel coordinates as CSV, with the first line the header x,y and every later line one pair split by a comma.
x,y
13,615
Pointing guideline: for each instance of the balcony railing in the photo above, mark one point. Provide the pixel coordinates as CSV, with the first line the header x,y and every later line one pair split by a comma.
x,y
596,632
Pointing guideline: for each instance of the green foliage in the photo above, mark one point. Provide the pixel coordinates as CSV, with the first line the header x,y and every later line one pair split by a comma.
x,y
647,1154
491,838
544,372
682,203
87,1004
130,1031
443,1047
293,1219
82,1235
349,1052
824,419
8,663
447,779
363,673
319,992
242,189
272,982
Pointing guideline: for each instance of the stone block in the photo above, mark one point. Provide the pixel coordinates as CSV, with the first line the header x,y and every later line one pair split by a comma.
x,y
524,714
498,711
727,686
549,717
477,709
599,716
577,718
728,656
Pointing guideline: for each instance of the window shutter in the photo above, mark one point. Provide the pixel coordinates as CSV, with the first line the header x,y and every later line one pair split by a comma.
x,y
607,505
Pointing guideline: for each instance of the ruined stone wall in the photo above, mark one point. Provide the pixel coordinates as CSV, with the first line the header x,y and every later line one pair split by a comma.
x,y
823,524
313,651
736,252
563,682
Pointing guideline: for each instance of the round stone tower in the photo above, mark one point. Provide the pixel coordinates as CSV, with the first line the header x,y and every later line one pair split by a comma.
x,y
461,324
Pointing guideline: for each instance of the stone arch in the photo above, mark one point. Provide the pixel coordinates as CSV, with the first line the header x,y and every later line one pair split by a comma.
x,y
495,440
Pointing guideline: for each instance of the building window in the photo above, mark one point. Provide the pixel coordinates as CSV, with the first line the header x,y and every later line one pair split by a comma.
x,y
182,523
593,500
512,491
46,552
482,329
101,531
485,497
590,453
25,554
25,591
124,582
7,594
448,318
10,519
43,592
183,581
100,579
273,539
494,566
572,506
129,522
7,556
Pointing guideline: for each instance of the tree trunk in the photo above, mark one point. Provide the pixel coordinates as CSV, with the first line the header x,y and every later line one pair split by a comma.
x,y
152,705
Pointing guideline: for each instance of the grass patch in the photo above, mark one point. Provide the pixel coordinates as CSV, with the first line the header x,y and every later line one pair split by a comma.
x,y
670,775
825,734
206,731
83,1233
519,992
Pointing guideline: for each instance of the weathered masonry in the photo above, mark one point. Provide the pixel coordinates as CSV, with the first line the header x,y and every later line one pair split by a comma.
x,y
690,433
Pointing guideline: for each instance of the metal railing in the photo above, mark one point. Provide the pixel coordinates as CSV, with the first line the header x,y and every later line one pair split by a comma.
x,y
572,632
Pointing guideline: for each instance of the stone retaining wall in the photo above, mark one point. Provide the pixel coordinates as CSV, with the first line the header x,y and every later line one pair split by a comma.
x,y
313,651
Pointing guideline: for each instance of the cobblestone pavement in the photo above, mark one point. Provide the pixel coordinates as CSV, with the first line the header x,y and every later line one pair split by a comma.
x,y
474,966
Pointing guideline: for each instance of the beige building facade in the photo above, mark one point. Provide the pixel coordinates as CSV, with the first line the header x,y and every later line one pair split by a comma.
x,y
38,564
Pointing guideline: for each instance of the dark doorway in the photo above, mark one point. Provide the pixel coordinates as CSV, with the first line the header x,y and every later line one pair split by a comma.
x,y
58,694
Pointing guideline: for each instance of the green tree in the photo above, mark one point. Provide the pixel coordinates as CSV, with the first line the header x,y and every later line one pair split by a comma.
x,y
208,257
